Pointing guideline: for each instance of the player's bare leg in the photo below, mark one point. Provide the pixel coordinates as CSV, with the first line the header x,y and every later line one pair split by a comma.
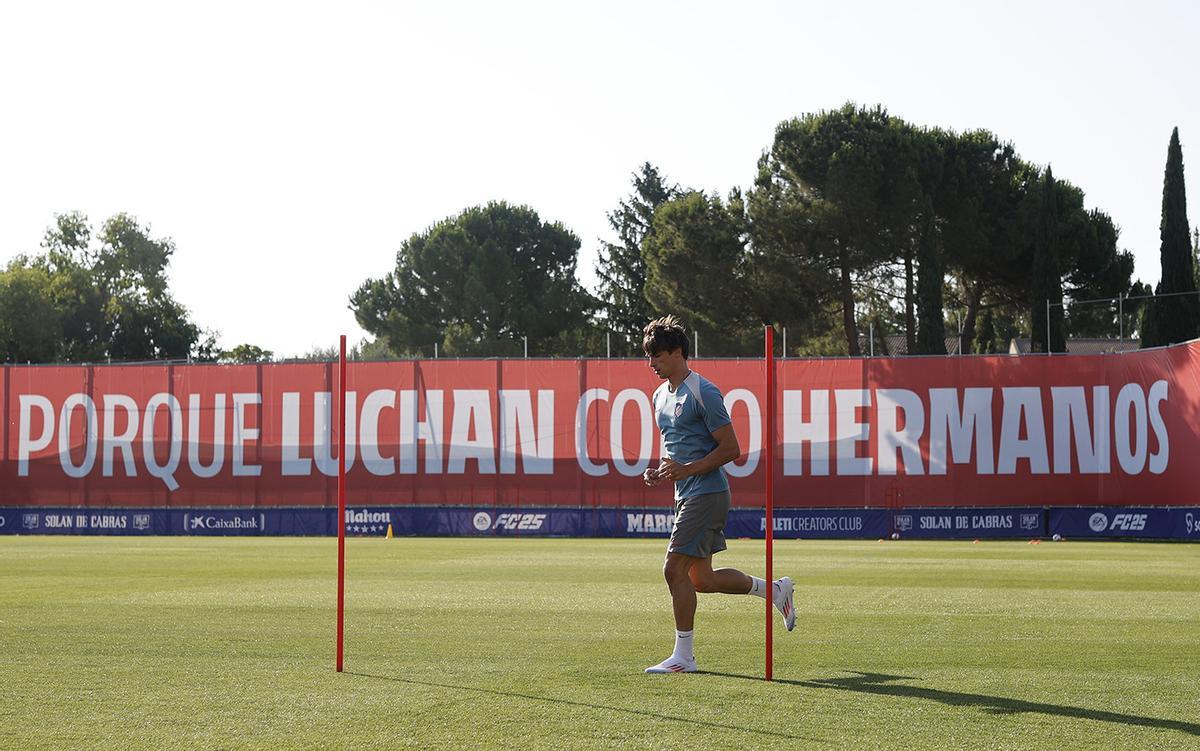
x,y
733,582
676,570
728,581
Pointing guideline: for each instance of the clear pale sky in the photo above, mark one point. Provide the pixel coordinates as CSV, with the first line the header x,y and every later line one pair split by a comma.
x,y
290,148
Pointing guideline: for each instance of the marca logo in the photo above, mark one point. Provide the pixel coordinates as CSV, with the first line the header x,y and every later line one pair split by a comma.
x,y
660,523
904,523
29,521
141,521
519,521
1029,521
1129,522
1191,523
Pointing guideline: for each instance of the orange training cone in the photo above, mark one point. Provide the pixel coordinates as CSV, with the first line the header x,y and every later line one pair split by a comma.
x,y
389,532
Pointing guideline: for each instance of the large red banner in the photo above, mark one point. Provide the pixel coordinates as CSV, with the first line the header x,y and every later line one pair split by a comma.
x,y
1062,430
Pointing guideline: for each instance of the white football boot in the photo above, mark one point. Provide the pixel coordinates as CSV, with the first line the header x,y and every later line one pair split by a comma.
x,y
782,592
674,664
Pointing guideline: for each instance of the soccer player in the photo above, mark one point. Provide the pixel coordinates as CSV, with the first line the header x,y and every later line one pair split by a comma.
x,y
699,440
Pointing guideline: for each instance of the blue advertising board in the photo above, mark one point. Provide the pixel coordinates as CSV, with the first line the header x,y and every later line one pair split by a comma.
x,y
970,523
907,523
1176,523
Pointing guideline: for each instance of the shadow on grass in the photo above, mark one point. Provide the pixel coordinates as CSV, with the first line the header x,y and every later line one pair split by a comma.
x,y
585,705
881,684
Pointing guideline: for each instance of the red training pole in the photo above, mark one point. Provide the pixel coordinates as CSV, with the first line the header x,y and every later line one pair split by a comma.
x,y
341,499
768,467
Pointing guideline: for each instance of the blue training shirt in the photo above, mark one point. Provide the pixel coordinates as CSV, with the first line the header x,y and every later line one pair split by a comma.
x,y
687,418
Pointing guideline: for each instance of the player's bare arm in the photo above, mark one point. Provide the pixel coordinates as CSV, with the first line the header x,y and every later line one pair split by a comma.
x,y
727,450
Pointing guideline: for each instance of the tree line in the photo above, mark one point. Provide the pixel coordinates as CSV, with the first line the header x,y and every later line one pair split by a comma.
x,y
856,223
102,296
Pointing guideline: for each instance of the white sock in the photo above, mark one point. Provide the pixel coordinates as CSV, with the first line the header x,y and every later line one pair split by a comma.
x,y
758,587
683,645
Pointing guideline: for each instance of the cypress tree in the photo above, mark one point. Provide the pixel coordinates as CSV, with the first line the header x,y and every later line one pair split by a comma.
x,y
621,267
1046,283
1196,256
985,335
1174,319
931,329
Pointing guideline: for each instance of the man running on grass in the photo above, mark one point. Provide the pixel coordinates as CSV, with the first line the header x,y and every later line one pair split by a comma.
x,y
698,439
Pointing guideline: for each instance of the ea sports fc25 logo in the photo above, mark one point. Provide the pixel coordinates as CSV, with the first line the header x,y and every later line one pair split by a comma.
x,y
519,521
1123,522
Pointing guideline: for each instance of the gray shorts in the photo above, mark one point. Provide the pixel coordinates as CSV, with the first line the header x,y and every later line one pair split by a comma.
x,y
699,529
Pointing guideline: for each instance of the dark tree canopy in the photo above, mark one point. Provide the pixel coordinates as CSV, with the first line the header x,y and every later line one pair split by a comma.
x,y
621,266
696,268
1046,283
92,298
476,284
931,329
845,187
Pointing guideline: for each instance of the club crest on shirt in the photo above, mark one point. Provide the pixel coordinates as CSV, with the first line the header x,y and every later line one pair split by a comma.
x,y
679,409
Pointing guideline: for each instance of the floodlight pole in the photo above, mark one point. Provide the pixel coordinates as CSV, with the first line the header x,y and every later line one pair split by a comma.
x,y
341,584
769,470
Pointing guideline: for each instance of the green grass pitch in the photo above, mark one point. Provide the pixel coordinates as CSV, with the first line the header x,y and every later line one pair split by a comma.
x,y
212,643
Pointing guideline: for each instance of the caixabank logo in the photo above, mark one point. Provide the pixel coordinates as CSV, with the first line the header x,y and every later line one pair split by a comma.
x,y
224,523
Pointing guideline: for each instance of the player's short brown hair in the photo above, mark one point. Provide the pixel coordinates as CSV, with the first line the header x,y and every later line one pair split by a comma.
x,y
664,335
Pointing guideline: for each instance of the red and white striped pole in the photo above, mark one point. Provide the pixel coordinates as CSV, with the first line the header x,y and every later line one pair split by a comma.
x,y
768,450
341,586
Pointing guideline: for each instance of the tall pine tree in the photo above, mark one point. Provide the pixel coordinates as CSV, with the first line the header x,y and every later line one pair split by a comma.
x,y
931,329
1046,282
1172,317
621,266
